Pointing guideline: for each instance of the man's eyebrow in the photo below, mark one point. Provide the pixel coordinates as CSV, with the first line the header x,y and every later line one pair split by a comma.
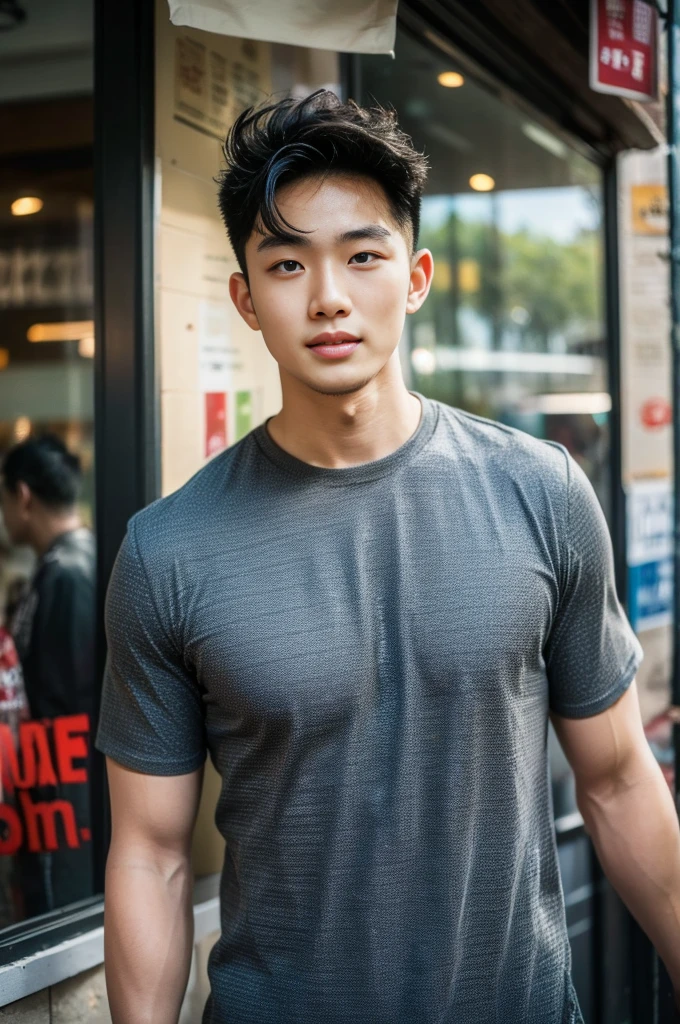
x,y
280,239
376,232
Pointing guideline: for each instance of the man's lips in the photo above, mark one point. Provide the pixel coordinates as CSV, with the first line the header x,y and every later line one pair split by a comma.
x,y
332,338
333,344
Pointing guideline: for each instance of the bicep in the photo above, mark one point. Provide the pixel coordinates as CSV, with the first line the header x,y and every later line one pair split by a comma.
x,y
609,749
153,813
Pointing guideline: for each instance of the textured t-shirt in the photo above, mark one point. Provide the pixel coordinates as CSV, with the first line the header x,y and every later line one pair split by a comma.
x,y
369,655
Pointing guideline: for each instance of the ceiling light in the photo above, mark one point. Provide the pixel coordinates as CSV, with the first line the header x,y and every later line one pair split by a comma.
x,y
545,139
86,347
562,404
25,205
68,330
482,182
450,79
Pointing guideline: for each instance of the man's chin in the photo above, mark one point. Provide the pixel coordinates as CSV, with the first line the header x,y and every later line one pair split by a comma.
x,y
341,389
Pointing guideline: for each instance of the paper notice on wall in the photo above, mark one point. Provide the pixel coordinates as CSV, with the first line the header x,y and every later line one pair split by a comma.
x,y
216,358
649,505
215,403
214,82
649,209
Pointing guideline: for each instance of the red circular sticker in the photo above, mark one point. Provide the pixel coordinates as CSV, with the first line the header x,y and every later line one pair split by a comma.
x,y
656,412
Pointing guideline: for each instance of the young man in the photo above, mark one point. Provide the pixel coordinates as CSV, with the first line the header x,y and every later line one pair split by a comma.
x,y
54,631
366,611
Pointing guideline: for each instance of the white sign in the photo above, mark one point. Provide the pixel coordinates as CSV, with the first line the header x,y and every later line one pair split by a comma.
x,y
650,554
214,350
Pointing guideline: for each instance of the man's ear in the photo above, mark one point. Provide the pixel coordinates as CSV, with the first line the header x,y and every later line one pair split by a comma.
x,y
240,296
422,269
24,495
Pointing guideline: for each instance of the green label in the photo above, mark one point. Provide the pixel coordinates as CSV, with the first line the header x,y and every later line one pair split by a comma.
x,y
244,413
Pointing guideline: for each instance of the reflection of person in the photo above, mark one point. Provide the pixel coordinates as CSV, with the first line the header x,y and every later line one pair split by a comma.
x,y
366,610
53,627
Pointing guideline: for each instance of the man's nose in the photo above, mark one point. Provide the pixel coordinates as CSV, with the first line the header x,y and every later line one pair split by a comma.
x,y
329,298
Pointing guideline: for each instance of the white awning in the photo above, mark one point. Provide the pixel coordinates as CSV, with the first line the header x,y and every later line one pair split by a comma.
x,y
350,26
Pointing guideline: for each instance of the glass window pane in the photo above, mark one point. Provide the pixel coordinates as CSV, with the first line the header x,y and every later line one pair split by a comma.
x,y
514,326
47,545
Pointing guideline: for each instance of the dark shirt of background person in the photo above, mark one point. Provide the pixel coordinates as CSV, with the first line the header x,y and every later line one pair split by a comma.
x,y
53,626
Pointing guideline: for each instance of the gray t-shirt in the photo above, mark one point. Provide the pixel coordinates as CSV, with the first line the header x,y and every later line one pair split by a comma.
x,y
369,654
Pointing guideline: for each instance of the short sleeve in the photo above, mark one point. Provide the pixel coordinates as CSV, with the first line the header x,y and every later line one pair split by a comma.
x,y
151,717
592,653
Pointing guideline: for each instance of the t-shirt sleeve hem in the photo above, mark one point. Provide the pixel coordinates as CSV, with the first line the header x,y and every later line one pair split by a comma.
x,y
150,766
595,707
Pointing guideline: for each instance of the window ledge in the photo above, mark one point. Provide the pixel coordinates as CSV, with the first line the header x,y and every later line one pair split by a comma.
x,y
74,955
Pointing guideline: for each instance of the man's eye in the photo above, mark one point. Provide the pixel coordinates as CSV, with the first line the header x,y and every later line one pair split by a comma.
x,y
287,266
362,258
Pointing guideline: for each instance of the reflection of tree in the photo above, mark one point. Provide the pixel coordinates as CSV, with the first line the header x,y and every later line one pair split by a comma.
x,y
545,286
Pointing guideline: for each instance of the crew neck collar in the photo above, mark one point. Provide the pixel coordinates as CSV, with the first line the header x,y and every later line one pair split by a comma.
x,y
363,471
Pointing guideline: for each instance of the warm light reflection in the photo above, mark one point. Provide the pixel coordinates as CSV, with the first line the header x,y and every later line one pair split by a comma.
x,y
86,347
4,358
67,330
22,428
450,79
26,205
482,182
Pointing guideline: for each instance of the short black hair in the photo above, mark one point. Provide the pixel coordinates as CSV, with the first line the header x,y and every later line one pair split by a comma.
x,y
273,145
45,465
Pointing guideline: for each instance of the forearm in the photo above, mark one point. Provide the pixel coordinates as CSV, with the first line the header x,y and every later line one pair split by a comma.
x,y
634,827
148,936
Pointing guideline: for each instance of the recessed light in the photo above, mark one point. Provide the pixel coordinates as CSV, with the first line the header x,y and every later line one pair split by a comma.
x,y
450,79
482,182
25,205
66,330
545,139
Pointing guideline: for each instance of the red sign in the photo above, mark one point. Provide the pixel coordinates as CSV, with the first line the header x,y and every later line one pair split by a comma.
x,y
656,412
624,37
42,754
215,422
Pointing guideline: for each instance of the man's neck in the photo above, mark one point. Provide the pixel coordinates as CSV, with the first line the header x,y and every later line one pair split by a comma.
x,y
338,431
50,529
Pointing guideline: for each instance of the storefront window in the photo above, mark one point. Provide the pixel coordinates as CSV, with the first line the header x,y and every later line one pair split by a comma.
x,y
514,326
47,549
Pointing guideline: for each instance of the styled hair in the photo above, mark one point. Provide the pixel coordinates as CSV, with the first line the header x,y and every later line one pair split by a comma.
x,y
46,466
274,145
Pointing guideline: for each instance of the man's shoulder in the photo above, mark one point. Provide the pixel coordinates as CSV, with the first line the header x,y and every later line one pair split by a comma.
x,y
499,448
178,521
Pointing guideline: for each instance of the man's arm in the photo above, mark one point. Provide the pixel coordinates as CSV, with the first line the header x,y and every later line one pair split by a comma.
x,y
148,904
630,816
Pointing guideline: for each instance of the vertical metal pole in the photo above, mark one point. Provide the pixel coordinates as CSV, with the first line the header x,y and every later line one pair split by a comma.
x,y
673,129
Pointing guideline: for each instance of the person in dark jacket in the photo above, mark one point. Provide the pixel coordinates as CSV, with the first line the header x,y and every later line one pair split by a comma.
x,y
53,627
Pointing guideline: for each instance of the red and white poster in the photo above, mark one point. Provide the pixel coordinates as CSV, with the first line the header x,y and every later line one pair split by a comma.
x,y
624,39
215,423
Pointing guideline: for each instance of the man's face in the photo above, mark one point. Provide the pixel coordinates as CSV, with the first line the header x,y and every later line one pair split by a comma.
x,y
14,513
331,303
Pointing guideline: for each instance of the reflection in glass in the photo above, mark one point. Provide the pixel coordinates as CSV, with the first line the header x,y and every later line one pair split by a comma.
x,y
47,547
513,329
